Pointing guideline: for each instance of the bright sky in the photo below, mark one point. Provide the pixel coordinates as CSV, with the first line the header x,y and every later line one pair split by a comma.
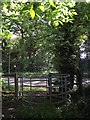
x,y
87,0
83,55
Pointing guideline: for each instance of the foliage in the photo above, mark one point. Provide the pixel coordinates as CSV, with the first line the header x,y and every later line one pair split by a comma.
x,y
43,111
77,109
48,35
5,86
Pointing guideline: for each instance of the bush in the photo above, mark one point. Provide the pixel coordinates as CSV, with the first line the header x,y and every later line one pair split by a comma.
x,y
49,111
41,111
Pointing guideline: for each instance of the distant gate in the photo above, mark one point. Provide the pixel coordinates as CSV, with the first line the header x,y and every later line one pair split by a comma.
x,y
54,87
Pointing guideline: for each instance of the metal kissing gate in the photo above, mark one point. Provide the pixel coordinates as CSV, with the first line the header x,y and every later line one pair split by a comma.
x,y
54,87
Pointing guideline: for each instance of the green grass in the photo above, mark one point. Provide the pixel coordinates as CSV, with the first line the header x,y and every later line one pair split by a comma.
x,y
27,89
31,74
38,89
5,86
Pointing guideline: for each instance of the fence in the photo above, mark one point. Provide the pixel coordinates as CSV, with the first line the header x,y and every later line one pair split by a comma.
x,y
54,87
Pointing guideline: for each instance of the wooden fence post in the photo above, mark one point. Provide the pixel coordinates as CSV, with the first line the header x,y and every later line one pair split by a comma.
x,y
61,85
30,85
22,86
16,86
8,83
30,90
50,85
65,84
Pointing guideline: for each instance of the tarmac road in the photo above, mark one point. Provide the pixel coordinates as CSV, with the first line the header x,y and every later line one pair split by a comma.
x,y
39,81
26,81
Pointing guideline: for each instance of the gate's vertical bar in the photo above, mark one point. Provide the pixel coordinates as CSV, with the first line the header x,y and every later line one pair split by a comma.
x,y
50,85
8,83
30,85
61,87
65,87
68,89
22,86
16,85
30,90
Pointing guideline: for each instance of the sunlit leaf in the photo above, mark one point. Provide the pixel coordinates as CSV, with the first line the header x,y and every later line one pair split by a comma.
x,y
61,22
56,23
74,13
38,15
42,8
9,35
52,3
32,13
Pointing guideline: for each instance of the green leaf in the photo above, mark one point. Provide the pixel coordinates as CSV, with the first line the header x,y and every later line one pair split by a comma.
x,y
9,35
38,15
32,13
61,22
52,3
56,23
42,8
75,13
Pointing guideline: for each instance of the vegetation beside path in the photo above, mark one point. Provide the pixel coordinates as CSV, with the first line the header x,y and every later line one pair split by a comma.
x,y
20,109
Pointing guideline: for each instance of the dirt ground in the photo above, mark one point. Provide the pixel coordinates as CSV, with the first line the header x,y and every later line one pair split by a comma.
x,y
10,105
